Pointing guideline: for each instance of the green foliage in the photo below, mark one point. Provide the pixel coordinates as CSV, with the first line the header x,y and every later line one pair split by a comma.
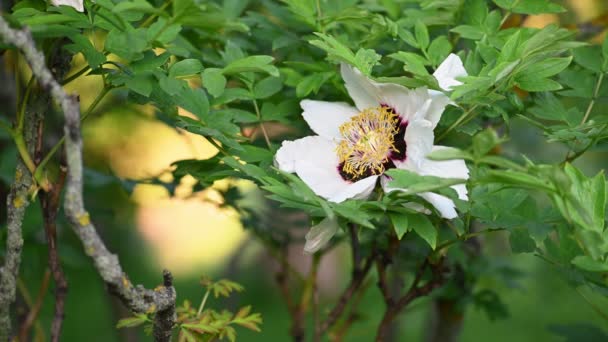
x,y
206,324
242,67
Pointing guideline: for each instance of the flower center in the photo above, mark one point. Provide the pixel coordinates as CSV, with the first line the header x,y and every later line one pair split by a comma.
x,y
368,142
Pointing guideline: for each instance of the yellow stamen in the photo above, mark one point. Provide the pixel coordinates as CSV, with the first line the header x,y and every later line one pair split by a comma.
x,y
368,140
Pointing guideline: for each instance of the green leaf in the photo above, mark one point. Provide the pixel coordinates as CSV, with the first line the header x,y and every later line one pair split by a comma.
x,y
439,49
588,202
529,83
128,44
530,6
586,263
485,141
82,44
449,153
412,62
163,32
400,223
194,101
135,5
547,67
312,83
521,242
468,32
422,35
141,84
420,224
366,59
186,67
589,57
252,63
267,87
410,183
132,321
214,81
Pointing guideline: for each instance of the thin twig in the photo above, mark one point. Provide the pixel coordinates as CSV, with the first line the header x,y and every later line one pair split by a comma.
x,y
50,205
348,293
414,292
35,307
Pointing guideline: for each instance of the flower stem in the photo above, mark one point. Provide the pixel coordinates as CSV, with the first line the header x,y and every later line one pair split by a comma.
x,y
75,75
200,308
458,122
259,115
596,91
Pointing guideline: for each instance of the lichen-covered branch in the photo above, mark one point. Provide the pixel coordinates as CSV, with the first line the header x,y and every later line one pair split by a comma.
x,y
160,301
17,202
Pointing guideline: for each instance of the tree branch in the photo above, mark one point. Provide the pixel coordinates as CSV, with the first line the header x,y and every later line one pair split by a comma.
x,y
358,277
50,204
414,292
160,301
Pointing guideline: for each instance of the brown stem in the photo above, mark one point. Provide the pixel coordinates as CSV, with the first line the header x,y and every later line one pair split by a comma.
x,y
282,279
50,202
359,275
414,292
35,308
352,316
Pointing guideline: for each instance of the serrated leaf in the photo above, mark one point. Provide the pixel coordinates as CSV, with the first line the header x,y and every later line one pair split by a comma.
x,y
521,242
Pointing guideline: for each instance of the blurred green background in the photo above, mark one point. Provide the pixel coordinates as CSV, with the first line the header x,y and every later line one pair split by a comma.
x,y
191,234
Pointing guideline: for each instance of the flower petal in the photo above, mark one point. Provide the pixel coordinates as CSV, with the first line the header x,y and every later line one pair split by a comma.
x,y
318,236
447,169
444,205
438,103
406,102
76,4
360,189
419,141
315,161
325,118
361,89
290,151
447,72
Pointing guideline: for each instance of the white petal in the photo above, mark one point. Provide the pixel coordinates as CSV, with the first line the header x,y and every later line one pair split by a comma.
x,y
319,235
406,102
447,169
325,118
360,189
290,151
448,70
444,205
315,161
438,104
76,4
419,141
361,89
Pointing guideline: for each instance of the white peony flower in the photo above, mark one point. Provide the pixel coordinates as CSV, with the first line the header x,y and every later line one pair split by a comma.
x,y
391,127
76,4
